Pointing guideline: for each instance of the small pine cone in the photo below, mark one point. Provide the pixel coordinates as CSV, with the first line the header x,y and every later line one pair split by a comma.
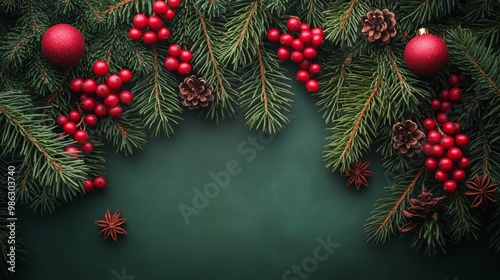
x,y
379,26
195,92
408,139
424,208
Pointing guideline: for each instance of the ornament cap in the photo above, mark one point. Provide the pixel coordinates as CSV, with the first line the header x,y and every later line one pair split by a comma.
x,y
423,31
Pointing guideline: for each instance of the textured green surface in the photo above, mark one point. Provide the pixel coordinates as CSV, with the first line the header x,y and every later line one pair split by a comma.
x,y
268,218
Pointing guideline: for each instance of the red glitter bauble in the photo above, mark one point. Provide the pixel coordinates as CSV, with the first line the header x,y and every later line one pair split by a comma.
x,y
63,45
426,55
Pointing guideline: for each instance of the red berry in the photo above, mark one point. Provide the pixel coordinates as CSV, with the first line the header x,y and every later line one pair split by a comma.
x,y
293,24
100,110
283,54
436,104
160,7
87,147
453,80
184,68
71,151
115,111
125,75
310,53
442,118
440,175
315,69
100,68
273,35
169,15
76,85
111,100
150,37
444,95
69,128
171,64
99,182
88,185
91,120
186,55
74,116
450,186
304,27
140,21
433,137
80,136
462,76
317,31
454,153
163,33
114,82
303,76
89,86
458,175
297,57
463,163
437,151
455,94
427,148
449,128
135,34
316,40
88,104
305,64
447,142
429,124
305,36
61,120
446,106
286,39
312,86
458,127
126,97
174,4
462,140
174,50
431,164
298,45
445,164
154,22
102,90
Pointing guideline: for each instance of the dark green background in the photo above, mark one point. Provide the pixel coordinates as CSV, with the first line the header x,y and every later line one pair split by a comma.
x,y
267,219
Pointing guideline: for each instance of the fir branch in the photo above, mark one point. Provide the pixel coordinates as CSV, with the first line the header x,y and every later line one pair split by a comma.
x,y
412,15
126,134
430,237
343,21
116,6
311,11
463,222
387,216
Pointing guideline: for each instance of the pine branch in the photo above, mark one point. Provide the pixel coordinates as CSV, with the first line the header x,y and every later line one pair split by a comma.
x,y
463,222
430,238
413,14
264,94
311,11
387,217
343,21
126,133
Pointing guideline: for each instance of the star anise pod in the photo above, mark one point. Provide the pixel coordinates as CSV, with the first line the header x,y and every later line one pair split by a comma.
x,y
357,174
422,209
482,190
111,225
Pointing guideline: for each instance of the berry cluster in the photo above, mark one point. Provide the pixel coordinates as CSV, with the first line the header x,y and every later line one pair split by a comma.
x,y
444,138
95,100
151,29
99,182
178,60
300,46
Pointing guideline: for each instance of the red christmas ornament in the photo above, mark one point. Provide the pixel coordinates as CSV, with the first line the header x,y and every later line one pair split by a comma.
x,y
426,55
63,45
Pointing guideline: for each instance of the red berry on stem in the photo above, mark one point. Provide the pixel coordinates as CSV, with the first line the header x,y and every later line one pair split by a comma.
x,y
303,76
433,137
273,35
449,128
126,75
100,68
427,148
102,90
431,164
140,21
88,185
450,186
315,69
115,111
453,80
80,136
160,7
447,142
317,31
150,37
444,95
184,68
316,40
462,140
174,4
440,175
454,153
87,147
312,86
445,164
89,86
100,110
88,104
114,82
174,50
99,182
462,76
186,55
305,36
458,127
169,15
283,54
446,106
163,33
76,85
436,104
126,97
442,118
298,45
297,57
135,34
286,39
429,124
437,151
69,128
71,151
171,64
458,175
305,64
155,22
111,100
310,53
74,116
293,24
90,119
61,120
463,163
455,94
305,27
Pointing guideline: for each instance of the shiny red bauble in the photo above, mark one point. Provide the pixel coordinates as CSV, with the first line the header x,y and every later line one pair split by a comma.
x,y
63,45
100,68
426,55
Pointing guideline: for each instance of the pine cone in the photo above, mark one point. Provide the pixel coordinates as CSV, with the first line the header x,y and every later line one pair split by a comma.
x,y
408,139
195,92
379,26
423,209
